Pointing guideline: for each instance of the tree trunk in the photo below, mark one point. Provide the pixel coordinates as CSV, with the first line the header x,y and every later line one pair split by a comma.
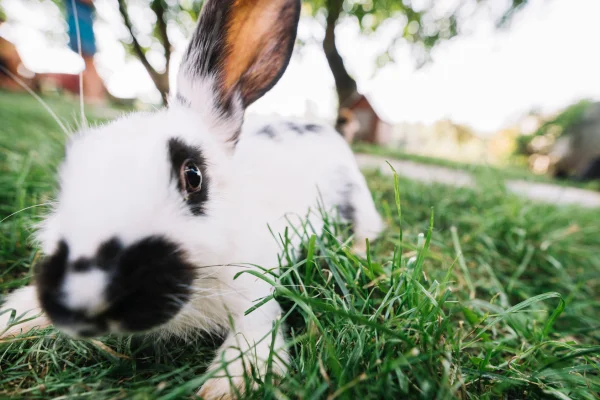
x,y
160,8
345,85
162,84
161,80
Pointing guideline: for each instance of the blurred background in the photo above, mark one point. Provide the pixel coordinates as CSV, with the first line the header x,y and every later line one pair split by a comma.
x,y
506,83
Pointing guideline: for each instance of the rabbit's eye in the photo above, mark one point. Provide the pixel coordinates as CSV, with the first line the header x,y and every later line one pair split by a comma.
x,y
191,177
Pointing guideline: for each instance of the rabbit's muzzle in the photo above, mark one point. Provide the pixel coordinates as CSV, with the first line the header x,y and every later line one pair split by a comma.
x,y
119,289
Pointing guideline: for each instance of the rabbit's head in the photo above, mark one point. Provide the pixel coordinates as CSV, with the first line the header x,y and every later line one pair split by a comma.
x,y
145,201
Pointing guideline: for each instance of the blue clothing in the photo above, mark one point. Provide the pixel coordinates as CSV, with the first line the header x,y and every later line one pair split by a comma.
x,y
85,17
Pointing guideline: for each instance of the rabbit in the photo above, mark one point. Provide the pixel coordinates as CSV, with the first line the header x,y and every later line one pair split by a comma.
x,y
160,216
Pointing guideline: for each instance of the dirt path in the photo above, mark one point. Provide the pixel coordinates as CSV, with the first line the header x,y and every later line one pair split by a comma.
x,y
536,191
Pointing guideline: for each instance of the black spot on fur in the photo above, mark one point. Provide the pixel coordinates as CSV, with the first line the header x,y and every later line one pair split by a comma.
x,y
82,265
313,127
50,274
182,100
301,129
108,253
294,127
346,208
149,282
106,257
152,282
179,152
267,131
51,271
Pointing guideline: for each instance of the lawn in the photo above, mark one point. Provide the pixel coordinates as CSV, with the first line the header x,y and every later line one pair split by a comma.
x,y
470,294
482,171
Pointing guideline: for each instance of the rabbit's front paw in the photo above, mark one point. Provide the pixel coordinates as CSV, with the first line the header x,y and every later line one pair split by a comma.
x,y
239,378
224,388
231,383
24,302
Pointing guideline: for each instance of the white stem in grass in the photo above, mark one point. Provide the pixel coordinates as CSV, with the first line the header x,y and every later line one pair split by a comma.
x,y
78,33
25,209
38,98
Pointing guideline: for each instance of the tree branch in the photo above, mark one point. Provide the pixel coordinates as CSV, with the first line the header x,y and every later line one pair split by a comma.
x,y
159,7
157,78
345,85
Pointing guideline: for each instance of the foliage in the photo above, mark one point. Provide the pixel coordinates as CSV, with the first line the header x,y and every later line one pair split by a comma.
x,y
148,28
153,31
421,23
556,126
470,294
421,26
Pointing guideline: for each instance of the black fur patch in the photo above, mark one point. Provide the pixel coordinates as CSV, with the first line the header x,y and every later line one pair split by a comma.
x,y
301,129
106,256
294,127
149,283
179,152
108,253
346,208
313,128
50,273
82,265
267,131
182,100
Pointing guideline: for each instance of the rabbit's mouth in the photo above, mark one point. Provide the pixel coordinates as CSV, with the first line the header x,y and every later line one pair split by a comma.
x,y
120,289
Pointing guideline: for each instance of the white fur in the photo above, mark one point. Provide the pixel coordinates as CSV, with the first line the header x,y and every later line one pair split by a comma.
x,y
27,310
85,291
116,182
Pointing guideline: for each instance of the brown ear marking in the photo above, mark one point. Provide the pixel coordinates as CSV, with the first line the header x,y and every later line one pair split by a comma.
x,y
245,45
260,40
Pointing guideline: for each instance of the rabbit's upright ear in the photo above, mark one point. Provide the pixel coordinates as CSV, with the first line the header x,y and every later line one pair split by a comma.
x,y
238,52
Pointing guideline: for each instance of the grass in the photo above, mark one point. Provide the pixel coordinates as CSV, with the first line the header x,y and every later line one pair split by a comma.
x,y
470,294
482,171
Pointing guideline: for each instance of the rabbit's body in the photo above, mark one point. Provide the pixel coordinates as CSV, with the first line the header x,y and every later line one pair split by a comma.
x,y
159,213
291,166
284,174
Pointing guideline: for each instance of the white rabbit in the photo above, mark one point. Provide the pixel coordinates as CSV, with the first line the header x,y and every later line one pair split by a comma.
x,y
158,212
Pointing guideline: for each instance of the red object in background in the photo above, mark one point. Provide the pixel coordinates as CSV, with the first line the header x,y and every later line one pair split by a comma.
x,y
67,82
11,61
359,122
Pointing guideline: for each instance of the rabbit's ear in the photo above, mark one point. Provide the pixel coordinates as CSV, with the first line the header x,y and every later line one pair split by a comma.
x,y
238,52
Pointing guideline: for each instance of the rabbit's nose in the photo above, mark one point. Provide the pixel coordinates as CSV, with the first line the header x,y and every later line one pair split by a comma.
x,y
118,289
77,305
85,291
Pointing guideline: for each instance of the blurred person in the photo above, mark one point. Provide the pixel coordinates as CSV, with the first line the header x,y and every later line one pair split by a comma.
x,y
82,12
